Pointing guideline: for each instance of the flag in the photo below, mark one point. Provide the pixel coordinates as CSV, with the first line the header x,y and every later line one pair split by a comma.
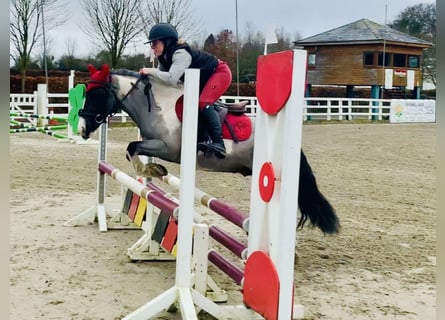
x,y
270,34
270,37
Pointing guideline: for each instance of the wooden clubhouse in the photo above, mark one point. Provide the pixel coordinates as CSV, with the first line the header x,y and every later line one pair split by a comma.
x,y
364,53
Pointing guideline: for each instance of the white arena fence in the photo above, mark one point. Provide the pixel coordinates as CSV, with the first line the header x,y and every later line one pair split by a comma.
x,y
331,108
315,108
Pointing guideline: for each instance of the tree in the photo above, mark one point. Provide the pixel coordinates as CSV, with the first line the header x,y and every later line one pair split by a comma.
x,y
134,62
70,45
26,29
45,56
420,21
176,12
223,46
112,25
253,46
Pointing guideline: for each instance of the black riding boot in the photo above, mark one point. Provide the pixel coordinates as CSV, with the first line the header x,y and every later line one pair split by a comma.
x,y
215,131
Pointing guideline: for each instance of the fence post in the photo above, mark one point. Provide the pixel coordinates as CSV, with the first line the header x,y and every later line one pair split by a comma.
x,y
42,103
71,80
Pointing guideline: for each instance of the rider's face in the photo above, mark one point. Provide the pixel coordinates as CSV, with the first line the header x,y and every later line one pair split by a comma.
x,y
158,47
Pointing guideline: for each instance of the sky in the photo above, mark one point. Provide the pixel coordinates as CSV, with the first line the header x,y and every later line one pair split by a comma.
x,y
307,18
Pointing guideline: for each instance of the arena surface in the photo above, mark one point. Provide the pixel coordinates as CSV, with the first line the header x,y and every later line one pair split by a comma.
x,y
380,178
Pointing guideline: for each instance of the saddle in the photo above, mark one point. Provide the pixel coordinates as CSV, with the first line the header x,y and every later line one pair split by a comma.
x,y
237,107
236,124
227,113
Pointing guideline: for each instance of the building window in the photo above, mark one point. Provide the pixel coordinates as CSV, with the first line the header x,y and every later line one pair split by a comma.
x,y
399,60
368,58
311,59
387,59
413,61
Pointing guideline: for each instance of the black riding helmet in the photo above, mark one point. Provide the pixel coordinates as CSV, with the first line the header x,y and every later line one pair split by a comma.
x,y
162,30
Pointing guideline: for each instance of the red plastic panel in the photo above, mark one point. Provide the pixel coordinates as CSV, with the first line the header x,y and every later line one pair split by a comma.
x,y
261,287
274,80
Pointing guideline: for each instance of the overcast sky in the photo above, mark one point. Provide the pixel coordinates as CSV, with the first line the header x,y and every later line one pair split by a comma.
x,y
307,18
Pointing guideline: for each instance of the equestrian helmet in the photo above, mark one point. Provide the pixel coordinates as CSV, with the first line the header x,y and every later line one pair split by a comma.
x,y
162,31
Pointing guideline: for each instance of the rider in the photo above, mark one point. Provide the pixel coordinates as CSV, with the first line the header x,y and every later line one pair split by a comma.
x,y
174,57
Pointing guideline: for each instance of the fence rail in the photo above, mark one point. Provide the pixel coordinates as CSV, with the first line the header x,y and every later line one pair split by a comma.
x,y
316,108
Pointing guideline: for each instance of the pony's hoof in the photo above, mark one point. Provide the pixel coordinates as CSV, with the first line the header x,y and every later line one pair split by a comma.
x,y
155,170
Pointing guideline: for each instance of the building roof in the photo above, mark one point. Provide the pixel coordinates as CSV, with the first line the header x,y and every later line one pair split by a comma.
x,y
362,31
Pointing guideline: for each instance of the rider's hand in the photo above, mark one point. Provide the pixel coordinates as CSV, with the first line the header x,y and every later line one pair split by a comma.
x,y
147,71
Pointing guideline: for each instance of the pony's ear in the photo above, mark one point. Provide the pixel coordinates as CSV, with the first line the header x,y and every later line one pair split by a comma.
x,y
92,70
105,69
98,77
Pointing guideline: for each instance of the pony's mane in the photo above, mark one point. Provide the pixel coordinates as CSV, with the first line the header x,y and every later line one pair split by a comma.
x,y
125,72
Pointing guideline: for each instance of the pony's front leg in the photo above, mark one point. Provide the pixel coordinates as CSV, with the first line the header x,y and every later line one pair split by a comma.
x,y
142,169
147,170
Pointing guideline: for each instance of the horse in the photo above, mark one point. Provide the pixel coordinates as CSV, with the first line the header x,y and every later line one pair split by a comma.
x,y
156,109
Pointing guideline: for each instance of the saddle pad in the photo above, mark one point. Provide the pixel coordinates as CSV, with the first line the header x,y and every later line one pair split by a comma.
x,y
241,125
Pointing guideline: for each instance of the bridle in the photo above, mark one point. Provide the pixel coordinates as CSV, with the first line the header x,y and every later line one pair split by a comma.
x,y
102,117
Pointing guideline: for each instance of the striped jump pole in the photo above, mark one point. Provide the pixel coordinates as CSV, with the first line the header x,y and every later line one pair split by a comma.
x,y
53,134
230,213
25,128
229,268
37,116
18,123
234,245
154,197
222,263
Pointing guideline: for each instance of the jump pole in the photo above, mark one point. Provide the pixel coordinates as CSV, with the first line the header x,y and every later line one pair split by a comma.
x,y
152,196
146,249
229,212
202,254
36,116
234,245
159,198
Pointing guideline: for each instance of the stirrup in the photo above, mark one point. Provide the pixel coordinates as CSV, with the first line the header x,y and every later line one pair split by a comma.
x,y
219,152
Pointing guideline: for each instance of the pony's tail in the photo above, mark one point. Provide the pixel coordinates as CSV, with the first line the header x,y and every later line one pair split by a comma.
x,y
313,204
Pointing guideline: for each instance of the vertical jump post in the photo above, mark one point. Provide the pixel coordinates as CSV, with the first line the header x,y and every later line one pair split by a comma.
x,y
269,271
182,294
98,211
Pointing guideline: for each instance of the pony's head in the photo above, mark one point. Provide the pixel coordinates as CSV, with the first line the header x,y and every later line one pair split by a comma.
x,y
100,101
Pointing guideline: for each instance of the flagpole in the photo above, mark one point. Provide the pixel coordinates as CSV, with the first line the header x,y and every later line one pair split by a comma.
x,y
384,52
237,48
44,42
